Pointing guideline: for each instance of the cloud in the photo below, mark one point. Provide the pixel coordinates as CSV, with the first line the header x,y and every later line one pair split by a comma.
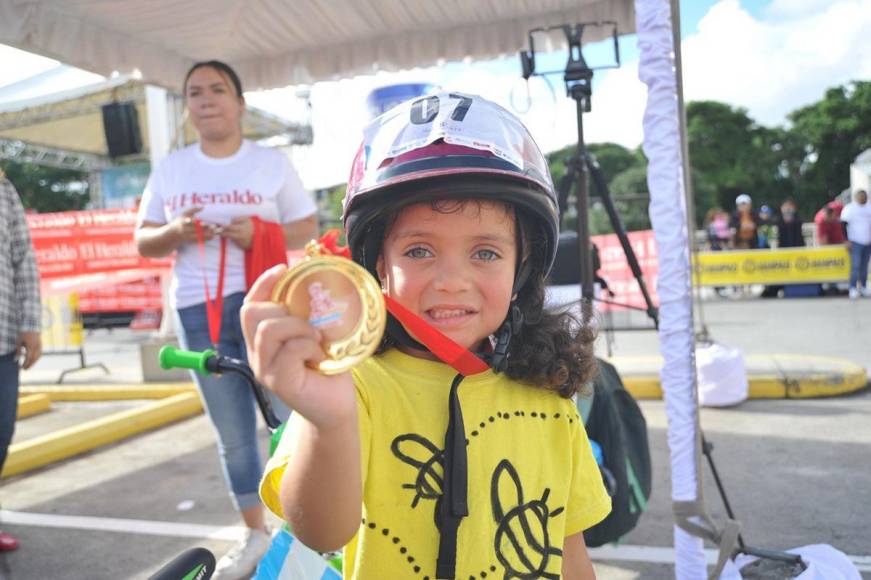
x,y
780,62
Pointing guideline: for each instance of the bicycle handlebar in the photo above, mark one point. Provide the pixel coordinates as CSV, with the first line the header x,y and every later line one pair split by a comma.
x,y
210,362
176,358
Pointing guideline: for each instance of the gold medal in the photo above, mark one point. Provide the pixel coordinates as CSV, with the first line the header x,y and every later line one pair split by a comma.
x,y
339,298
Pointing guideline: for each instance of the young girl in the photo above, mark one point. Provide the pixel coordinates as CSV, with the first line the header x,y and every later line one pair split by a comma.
x,y
418,470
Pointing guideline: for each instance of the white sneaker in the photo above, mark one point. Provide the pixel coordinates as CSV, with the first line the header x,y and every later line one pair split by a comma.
x,y
854,293
865,291
241,561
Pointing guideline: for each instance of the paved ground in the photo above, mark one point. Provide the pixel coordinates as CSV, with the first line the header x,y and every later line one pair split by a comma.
x,y
796,471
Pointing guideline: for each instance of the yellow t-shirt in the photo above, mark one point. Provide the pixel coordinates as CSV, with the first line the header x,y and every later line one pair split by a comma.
x,y
532,478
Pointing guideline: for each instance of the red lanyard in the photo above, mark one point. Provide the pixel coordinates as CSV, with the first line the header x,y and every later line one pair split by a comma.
x,y
461,358
214,308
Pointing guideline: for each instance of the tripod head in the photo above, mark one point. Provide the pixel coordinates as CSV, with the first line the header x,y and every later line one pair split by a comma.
x,y
578,75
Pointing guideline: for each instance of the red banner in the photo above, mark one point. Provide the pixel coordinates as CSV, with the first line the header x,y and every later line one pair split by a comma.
x,y
144,294
616,272
78,243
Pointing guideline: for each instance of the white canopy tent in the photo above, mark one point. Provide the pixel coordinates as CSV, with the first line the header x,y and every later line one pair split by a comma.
x,y
274,43
280,42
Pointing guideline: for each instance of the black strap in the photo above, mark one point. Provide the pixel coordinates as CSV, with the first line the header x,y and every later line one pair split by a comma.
x,y
454,505
498,359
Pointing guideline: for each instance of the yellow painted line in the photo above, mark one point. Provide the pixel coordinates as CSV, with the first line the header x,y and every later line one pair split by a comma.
x,y
767,387
110,392
46,449
32,404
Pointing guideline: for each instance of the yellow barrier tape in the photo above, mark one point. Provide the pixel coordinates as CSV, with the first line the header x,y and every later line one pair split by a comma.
x,y
785,266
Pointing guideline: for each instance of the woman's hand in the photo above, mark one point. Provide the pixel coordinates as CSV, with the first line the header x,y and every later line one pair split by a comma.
x,y
186,229
283,350
240,231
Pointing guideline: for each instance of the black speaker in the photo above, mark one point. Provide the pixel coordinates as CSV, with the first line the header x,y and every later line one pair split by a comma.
x,y
121,127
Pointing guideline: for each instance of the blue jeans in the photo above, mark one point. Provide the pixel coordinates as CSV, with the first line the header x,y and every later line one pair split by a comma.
x,y
8,402
859,256
229,401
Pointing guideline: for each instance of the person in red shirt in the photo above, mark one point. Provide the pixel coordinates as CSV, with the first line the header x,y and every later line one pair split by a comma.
x,y
828,222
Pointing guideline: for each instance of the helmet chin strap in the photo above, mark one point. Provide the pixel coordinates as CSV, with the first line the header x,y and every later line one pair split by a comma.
x,y
498,359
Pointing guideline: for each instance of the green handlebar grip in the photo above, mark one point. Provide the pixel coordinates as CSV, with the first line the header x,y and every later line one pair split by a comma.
x,y
176,358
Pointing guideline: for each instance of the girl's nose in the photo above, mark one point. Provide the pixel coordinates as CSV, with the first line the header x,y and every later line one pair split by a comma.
x,y
452,276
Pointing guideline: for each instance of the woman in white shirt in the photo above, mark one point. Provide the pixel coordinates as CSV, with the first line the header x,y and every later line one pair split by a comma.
x,y
199,200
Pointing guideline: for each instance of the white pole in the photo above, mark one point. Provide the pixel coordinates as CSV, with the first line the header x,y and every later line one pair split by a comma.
x,y
160,129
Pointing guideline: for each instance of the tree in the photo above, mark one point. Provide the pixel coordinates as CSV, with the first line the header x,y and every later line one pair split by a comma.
x,y
826,138
731,154
614,160
48,189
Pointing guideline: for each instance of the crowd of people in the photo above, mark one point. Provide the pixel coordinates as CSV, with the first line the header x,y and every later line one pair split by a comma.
x,y
834,224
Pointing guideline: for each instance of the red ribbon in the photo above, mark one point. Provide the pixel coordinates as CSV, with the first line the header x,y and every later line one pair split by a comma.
x,y
214,308
460,358
330,242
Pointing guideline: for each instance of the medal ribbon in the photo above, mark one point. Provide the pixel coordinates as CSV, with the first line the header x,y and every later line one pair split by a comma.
x,y
214,308
460,358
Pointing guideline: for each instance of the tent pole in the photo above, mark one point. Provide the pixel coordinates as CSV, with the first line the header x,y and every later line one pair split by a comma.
x,y
687,171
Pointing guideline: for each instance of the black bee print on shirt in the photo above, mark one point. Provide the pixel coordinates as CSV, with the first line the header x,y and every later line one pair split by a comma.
x,y
522,541
423,455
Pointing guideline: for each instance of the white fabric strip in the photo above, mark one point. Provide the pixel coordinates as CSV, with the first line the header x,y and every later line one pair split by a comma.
x,y
668,215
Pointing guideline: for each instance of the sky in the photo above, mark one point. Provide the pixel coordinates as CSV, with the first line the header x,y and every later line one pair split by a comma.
x,y
767,56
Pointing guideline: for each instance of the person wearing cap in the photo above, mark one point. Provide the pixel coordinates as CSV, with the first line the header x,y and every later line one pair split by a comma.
x,y
455,451
828,224
856,220
743,225
766,230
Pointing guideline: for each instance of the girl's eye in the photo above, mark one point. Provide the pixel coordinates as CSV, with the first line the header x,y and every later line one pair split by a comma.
x,y
487,255
418,253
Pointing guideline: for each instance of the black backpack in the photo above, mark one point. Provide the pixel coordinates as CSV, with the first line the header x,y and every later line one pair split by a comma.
x,y
615,422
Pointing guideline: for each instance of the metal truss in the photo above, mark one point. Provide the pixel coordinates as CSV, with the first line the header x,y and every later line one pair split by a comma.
x,y
24,152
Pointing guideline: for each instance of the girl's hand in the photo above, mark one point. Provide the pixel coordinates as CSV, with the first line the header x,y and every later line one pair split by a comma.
x,y
240,231
282,350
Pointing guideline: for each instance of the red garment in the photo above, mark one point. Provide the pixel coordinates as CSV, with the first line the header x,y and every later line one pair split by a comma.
x,y
837,206
267,249
831,232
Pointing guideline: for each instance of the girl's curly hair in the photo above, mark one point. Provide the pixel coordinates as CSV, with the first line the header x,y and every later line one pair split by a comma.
x,y
554,349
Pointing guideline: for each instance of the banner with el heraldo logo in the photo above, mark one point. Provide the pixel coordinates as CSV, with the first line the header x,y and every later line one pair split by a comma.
x,y
784,266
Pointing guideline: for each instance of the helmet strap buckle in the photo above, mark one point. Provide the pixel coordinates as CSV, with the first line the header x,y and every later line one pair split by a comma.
x,y
512,325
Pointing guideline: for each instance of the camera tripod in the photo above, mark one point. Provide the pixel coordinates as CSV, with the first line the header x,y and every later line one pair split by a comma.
x,y
578,78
